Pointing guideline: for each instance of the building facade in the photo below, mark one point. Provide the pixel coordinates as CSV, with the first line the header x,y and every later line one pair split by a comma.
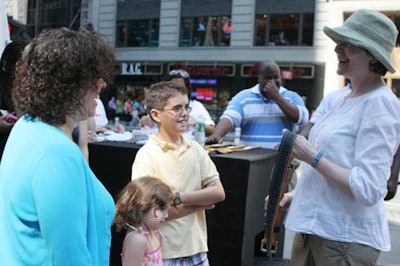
x,y
220,42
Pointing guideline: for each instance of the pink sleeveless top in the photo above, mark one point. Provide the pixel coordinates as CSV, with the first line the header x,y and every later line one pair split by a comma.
x,y
151,257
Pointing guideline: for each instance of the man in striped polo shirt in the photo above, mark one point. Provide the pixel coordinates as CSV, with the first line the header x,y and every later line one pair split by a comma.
x,y
262,111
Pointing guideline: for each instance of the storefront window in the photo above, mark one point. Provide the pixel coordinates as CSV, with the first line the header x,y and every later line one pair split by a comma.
x,y
138,23
206,31
284,23
138,33
52,14
284,29
205,23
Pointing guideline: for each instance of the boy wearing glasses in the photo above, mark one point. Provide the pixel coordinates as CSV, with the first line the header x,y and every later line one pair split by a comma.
x,y
184,165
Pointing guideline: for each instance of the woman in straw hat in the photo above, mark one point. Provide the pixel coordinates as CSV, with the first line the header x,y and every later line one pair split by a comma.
x,y
337,208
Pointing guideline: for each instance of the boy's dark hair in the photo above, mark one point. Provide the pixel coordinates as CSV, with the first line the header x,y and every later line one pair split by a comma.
x,y
159,93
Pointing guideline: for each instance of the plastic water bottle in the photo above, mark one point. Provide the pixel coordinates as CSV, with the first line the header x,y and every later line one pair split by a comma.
x,y
236,135
200,133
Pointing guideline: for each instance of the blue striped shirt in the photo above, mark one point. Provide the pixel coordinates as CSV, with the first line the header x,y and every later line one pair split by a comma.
x,y
262,120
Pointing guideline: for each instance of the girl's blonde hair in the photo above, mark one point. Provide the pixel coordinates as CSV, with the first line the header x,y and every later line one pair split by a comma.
x,y
138,197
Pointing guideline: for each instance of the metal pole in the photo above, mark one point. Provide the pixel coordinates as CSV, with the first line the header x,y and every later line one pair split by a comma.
x,y
37,17
84,13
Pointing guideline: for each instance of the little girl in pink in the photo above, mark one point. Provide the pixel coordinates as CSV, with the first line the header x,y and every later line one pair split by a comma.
x,y
141,209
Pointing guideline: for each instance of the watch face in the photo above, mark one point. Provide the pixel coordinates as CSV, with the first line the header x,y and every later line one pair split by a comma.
x,y
177,200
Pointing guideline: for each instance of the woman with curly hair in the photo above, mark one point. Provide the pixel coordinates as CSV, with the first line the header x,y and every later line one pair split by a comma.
x,y
54,209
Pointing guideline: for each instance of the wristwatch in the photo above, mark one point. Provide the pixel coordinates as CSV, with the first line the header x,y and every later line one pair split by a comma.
x,y
177,200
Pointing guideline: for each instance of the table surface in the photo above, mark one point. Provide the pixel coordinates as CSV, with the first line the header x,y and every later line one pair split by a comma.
x,y
250,155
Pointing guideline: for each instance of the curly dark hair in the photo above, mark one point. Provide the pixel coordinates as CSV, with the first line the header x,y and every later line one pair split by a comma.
x,y
57,69
9,59
137,199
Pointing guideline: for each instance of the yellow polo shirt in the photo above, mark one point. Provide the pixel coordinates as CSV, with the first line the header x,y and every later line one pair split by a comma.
x,y
187,168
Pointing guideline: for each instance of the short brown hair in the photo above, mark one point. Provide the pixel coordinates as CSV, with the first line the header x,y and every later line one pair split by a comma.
x,y
159,93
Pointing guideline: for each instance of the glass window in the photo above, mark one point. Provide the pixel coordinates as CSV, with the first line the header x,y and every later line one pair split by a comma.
x,y
260,30
138,33
284,23
138,23
205,23
206,31
284,29
121,34
52,14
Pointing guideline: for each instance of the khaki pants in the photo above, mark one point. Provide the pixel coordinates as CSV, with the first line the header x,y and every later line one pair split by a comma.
x,y
310,250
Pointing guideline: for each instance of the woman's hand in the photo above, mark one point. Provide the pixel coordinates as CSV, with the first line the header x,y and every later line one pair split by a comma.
x,y
302,149
284,203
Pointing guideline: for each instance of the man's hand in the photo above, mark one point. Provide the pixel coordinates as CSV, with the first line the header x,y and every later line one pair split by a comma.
x,y
214,139
392,188
270,90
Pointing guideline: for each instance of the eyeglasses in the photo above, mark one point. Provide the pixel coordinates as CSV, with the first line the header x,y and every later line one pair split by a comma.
x,y
177,110
179,73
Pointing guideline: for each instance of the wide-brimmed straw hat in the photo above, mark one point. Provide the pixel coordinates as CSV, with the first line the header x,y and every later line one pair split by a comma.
x,y
370,30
